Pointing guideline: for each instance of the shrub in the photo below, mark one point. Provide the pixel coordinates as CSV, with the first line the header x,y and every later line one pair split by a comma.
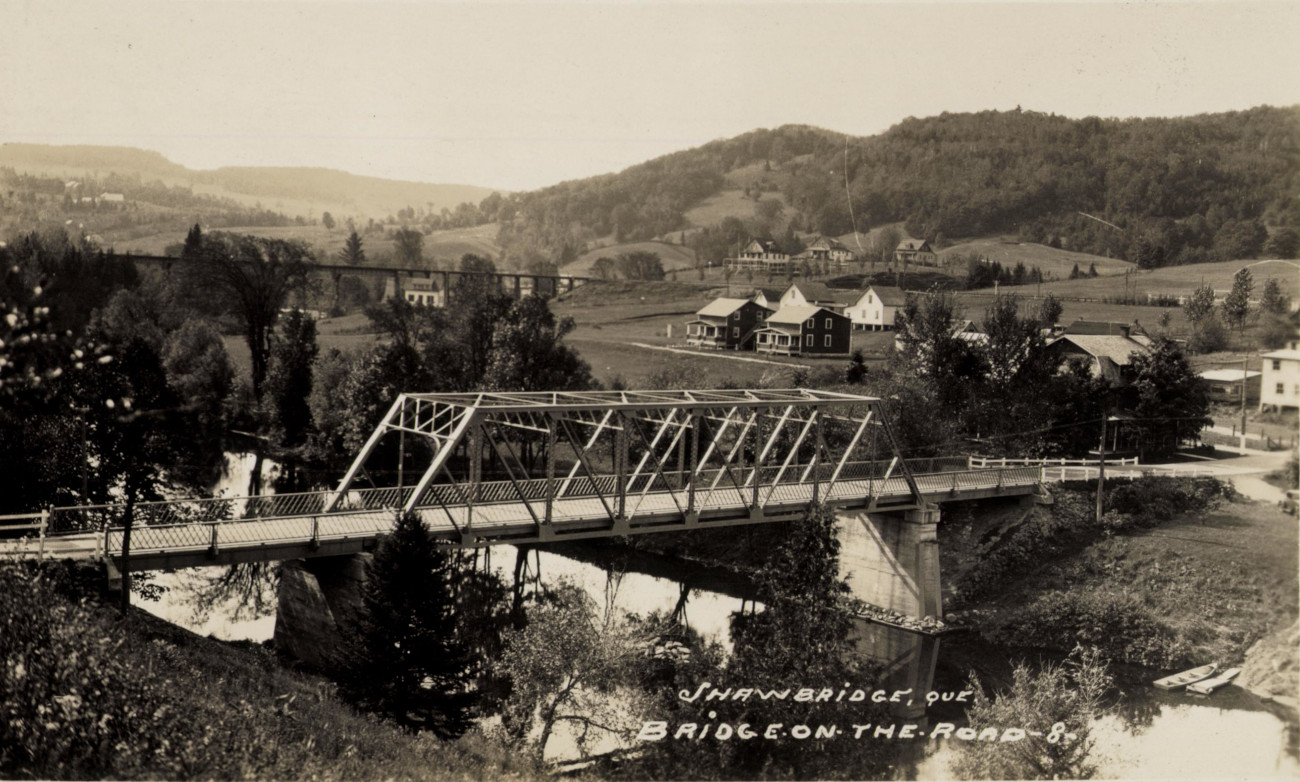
x,y
71,705
1151,500
1120,626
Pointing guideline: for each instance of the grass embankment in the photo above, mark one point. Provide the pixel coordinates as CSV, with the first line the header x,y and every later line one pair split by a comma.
x,y
88,693
1177,574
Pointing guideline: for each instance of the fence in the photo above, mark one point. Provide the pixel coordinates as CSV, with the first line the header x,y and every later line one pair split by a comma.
x,y
979,462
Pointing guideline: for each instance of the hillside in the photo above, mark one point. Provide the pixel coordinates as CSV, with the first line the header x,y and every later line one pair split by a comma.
x,y
295,191
1054,263
1168,191
1171,281
673,256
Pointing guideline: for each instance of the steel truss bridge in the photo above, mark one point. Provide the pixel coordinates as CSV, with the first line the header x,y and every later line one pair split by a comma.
x,y
495,468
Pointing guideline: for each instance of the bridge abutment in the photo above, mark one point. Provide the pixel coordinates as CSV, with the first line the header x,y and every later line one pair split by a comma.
x,y
318,599
891,560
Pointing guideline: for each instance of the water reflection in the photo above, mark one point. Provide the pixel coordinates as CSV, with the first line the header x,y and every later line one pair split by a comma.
x,y
1149,733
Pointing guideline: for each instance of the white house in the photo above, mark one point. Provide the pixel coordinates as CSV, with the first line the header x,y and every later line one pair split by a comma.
x,y
423,292
819,294
875,309
1280,387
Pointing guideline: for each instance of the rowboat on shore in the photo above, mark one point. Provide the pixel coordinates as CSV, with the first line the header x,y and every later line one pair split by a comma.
x,y
1180,680
1208,686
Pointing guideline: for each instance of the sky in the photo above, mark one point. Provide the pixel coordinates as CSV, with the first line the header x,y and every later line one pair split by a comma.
x,y
519,96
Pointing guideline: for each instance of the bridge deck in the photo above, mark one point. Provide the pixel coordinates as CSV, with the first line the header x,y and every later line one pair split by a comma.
x,y
274,537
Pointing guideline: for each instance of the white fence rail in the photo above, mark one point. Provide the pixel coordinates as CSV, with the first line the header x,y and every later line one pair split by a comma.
x,y
980,462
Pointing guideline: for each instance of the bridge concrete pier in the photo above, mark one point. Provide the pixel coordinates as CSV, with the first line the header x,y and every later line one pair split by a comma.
x,y
318,599
909,661
891,560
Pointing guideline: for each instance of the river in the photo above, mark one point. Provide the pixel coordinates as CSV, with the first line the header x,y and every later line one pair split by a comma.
x,y
1149,734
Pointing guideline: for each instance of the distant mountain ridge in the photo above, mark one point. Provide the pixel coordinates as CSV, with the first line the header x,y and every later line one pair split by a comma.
x,y
296,189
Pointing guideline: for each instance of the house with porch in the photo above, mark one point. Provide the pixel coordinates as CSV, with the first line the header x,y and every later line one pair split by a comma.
x,y
760,255
805,330
727,324
915,251
876,307
1225,385
825,251
424,292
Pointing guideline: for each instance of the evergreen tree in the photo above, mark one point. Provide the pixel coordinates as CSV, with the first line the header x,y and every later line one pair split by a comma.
x,y
1092,270
1168,398
1236,305
352,253
1273,300
407,660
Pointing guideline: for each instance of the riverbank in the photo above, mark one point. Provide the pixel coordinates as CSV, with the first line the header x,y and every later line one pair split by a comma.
x,y
89,693
1200,587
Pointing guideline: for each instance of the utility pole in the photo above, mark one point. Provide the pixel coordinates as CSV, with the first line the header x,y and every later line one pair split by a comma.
x,y
1101,462
1243,402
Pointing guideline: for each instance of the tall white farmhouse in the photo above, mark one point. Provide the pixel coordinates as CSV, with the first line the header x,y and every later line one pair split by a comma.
x,y
1281,383
875,308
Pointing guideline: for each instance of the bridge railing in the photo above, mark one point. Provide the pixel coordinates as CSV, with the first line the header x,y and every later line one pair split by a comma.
x,y
211,510
980,462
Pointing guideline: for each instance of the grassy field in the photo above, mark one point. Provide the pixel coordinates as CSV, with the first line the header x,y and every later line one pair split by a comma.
x,y
1053,262
727,203
445,247
674,256
1174,280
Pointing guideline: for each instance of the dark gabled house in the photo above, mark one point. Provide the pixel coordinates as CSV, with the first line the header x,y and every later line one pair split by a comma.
x,y
1107,355
768,297
818,294
804,330
727,324
915,251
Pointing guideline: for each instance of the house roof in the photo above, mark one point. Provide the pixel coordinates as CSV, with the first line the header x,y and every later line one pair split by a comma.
x,y
826,243
911,244
1082,326
797,313
771,294
721,308
889,295
1114,348
1293,355
817,291
1228,375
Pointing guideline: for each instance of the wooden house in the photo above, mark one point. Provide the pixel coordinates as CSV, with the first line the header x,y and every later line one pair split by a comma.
x,y
728,324
876,307
915,251
805,330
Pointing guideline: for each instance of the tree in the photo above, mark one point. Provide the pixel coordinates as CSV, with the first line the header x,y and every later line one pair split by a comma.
x,y
1065,696
1092,270
1074,272
1208,335
1200,305
1236,305
327,220
1285,243
857,369
566,664
1049,311
950,366
802,638
409,245
1239,239
352,253
406,659
254,276
1273,301
290,378
1168,398
529,354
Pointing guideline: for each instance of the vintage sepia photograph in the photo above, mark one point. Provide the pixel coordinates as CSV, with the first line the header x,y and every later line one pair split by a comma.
x,y
649,390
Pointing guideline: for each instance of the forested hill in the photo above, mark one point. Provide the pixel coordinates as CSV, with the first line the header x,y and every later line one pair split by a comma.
x,y
1176,190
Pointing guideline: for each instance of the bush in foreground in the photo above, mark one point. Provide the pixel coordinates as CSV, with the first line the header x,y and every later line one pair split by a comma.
x,y
86,694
